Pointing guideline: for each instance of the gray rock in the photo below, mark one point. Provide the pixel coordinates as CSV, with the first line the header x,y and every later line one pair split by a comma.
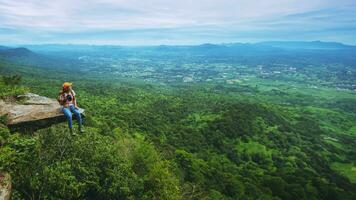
x,y
5,186
32,112
35,99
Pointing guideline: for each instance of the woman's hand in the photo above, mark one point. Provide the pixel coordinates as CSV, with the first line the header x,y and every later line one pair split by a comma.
x,y
61,102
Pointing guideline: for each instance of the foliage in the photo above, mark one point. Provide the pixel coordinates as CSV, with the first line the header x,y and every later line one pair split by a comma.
x,y
266,138
9,86
55,165
11,80
346,169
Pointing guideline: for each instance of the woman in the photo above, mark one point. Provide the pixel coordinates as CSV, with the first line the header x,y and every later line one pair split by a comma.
x,y
69,104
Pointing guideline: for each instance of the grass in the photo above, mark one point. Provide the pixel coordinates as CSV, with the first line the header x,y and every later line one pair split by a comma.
x,y
346,169
11,91
352,130
333,142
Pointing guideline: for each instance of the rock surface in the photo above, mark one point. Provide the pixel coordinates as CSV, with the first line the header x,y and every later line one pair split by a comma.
x,y
31,111
5,186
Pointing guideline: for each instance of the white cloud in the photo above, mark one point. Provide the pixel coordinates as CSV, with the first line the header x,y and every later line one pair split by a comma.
x,y
121,14
218,16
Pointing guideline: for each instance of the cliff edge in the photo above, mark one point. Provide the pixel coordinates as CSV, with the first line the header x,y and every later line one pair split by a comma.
x,y
30,112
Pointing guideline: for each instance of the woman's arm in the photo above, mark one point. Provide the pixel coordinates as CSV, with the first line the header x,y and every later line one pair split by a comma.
x,y
75,102
60,99
74,99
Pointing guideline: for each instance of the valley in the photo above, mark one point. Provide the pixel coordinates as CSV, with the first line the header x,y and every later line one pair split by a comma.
x,y
273,120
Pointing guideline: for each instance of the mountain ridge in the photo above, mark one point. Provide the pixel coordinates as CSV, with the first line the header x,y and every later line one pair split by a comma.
x,y
208,44
15,52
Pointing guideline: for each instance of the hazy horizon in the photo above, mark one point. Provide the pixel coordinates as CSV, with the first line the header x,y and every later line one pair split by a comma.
x,y
148,45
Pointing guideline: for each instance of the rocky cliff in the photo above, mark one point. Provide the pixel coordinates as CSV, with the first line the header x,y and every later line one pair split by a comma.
x,y
30,112
5,186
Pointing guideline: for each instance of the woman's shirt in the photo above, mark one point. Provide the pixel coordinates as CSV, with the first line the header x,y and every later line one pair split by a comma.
x,y
67,98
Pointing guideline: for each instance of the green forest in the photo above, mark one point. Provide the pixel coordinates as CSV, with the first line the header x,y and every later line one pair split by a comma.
x,y
259,139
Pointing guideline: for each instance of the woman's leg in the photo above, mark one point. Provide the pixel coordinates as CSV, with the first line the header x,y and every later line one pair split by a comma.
x,y
79,117
77,114
68,115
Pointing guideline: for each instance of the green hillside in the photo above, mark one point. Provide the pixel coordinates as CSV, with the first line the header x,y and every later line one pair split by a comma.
x,y
183,141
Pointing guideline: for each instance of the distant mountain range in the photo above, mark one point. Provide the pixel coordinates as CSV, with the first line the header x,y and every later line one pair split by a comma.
x,y
34,52
305,45
279,44
283,45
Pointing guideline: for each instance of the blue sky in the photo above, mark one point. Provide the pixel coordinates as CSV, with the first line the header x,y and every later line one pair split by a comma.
x,y
151,22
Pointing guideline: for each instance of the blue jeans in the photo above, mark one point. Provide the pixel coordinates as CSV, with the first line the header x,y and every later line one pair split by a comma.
x,y
68,113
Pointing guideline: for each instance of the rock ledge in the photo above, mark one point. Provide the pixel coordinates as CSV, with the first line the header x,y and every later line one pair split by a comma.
x,y
31,112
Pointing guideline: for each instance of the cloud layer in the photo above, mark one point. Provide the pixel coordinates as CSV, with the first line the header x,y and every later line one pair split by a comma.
x,y
175,22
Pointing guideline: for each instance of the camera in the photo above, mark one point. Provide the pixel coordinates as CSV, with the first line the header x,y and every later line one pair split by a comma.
x,y
69,98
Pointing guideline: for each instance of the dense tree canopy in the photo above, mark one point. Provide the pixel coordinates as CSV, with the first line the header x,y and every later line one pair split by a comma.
x,y
204,141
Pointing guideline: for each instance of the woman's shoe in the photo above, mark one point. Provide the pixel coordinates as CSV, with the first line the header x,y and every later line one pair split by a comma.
x,y
81,130
72,132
